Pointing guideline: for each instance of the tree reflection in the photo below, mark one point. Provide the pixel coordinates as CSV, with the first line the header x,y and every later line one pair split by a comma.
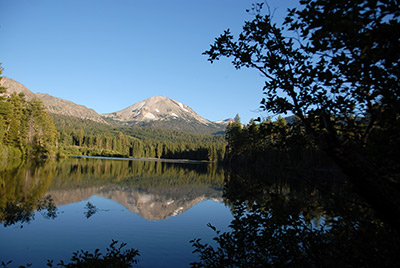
x,y
78,172
151,189
20,212
90,210
284,224
116,255
23,186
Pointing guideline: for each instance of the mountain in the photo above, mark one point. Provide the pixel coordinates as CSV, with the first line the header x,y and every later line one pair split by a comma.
x,y
224,122
157,112
64,107
162,112
53,105
14,86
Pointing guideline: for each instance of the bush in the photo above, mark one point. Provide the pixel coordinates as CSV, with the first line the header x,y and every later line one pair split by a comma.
x,y
115,256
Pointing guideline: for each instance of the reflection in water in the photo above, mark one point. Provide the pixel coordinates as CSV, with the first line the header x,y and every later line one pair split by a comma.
x,y
278,218
90,210
91,194
291,223
19,212
22,190
153,190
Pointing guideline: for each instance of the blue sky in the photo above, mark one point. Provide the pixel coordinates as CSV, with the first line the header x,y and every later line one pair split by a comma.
x,y
110,54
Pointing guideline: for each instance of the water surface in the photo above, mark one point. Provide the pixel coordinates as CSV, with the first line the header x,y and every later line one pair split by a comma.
x,y
155,207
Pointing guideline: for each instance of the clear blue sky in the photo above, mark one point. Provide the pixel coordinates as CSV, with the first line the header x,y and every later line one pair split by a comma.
x,y
109,54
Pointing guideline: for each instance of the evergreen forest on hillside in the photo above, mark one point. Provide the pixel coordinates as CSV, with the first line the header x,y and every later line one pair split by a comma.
x,y
85,137
27,130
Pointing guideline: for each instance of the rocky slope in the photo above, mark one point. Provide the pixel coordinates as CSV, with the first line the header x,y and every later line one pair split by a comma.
x,y
54,105
14,86
60,106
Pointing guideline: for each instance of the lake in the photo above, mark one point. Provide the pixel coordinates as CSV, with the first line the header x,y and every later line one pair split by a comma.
x,y
291,214
153,206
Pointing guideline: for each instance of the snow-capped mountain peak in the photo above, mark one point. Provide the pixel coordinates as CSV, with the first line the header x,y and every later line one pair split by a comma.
x,y
158,108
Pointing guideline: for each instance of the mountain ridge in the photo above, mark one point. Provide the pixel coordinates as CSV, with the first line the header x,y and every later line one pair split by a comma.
x,y
53,104
156,111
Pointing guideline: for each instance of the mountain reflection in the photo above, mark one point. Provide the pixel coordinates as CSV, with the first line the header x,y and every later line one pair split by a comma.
x,y
153,190
151,204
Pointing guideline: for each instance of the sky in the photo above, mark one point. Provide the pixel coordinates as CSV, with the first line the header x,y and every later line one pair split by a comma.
x,y
110,54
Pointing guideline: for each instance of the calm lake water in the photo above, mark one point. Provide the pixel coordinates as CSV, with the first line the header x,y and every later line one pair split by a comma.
x,y
155,207
297,214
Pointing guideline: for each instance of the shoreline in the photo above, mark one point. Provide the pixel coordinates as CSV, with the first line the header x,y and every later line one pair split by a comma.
x,y
146,159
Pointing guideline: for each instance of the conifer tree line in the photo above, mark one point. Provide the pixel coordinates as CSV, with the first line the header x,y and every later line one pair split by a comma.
x,y
27,130
25,127
116,143
260,144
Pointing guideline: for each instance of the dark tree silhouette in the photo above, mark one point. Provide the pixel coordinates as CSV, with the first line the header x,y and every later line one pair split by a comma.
x,y
335,65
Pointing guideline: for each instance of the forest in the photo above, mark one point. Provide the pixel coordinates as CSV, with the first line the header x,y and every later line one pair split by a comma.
x,y
261,144
27,130
85,137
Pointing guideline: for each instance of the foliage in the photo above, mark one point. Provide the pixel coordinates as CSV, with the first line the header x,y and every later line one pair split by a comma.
x,y
23,212
114,257
90,210
335,65
286,225
266,142
42,134
326,66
